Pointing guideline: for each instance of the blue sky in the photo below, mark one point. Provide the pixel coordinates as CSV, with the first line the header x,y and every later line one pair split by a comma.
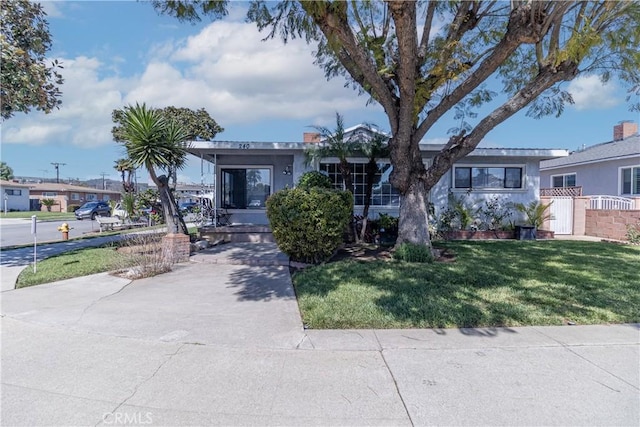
x,y
121,52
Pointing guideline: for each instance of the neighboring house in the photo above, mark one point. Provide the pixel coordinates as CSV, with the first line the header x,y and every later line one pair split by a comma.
x,y
67,195
611,168
15,196
246,173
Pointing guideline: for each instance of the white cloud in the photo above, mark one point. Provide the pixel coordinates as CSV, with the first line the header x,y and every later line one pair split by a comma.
x,y
228,70
84,118
225,68
52,9
590,94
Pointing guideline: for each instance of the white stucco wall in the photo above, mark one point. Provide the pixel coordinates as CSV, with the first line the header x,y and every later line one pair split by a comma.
x,y
14,202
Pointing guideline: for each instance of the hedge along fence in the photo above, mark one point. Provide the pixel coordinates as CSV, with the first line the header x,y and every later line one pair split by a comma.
x,y
308,223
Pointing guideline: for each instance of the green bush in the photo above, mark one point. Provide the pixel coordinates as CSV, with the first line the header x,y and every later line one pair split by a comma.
x,y
410,252
308,224
314,179
72,208
633,233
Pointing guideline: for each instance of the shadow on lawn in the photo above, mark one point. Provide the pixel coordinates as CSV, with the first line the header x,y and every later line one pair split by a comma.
x,y
506,283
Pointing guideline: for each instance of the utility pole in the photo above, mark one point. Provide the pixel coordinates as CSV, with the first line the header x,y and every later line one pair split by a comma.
x,y
57,166
103,174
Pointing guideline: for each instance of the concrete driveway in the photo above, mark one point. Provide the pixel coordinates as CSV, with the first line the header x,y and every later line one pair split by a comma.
x,y
219,341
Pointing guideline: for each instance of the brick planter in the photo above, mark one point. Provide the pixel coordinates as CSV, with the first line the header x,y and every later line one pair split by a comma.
x,y
176,247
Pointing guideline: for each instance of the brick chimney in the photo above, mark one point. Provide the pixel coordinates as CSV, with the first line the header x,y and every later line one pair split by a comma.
x,y
624,129
310,137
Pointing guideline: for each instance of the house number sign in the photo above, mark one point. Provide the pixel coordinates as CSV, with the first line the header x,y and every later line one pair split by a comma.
x,y
244,146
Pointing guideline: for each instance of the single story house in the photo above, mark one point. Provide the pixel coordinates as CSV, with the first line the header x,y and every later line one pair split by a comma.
x,y
243,174
15,196
611,168
67,195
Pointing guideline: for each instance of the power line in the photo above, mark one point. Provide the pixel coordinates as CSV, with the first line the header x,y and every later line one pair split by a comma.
x,y
57,166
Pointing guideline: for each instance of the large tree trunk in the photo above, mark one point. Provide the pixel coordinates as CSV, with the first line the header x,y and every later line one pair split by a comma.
x,y
172,217
413,226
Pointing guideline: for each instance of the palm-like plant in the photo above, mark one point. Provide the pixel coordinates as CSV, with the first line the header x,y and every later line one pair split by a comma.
x,y
334,144
535,212
124,166
156,143
374,149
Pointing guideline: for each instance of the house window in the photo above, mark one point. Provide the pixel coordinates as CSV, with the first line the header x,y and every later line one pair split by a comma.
x,y
246,188
560,181
12,192
75,196
630,180
91,197
479,177
105,197
49,194
382,194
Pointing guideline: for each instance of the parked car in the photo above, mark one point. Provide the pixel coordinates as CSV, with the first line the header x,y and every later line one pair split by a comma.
x,y
188,207
91,210
119,211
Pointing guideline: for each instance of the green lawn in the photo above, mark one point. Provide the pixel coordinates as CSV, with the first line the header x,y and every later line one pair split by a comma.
x,y
81,262
498,283
40,215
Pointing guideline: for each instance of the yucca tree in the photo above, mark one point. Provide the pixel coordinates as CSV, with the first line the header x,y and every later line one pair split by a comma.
x,y
125,167
374,149
157,144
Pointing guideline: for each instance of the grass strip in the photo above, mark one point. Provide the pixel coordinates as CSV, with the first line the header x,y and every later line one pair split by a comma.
x,y
497,283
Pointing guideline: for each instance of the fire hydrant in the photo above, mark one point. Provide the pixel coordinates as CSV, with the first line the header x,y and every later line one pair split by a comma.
x,y
65,231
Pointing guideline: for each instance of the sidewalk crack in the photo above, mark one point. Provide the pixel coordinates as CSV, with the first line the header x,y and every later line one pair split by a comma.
x,y
395,384
143,382
94,303
568,348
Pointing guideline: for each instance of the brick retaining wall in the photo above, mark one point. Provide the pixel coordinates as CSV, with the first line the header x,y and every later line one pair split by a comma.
x,y
610,224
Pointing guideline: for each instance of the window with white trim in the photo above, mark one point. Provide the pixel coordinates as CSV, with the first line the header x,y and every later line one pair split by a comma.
x,y
75,196
91,197
49,194
630,181
12,192
245,187
488,177
105,198
382,194
561,181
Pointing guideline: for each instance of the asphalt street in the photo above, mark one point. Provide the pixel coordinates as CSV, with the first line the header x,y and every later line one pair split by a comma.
x,y
18,231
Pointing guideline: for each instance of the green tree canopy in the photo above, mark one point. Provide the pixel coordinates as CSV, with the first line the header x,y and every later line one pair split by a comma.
x,y
198,124
421,60
26,80
6,173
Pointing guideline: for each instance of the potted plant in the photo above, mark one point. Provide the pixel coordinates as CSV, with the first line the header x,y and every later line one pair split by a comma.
x,y
535,215
388,226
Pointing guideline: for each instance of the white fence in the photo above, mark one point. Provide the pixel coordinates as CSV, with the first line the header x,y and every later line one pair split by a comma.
x,y
611,202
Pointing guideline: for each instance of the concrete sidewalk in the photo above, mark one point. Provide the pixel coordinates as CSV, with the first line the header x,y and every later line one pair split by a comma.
x,y
220,342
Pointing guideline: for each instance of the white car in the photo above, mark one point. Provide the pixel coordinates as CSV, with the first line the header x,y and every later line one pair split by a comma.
x,y
119,211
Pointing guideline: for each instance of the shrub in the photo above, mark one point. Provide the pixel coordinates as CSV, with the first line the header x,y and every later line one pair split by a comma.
x,y
410,252
633,233
72,208
314,179
307,224
535,212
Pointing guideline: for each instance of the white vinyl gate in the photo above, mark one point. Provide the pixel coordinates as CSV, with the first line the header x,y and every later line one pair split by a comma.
x,y
561,211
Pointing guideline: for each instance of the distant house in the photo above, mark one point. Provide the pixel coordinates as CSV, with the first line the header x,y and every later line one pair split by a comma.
x,y
67,195
15,196
610,168
246,173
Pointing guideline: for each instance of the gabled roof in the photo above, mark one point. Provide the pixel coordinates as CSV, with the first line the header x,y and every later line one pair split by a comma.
x,y
612,150
13,184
